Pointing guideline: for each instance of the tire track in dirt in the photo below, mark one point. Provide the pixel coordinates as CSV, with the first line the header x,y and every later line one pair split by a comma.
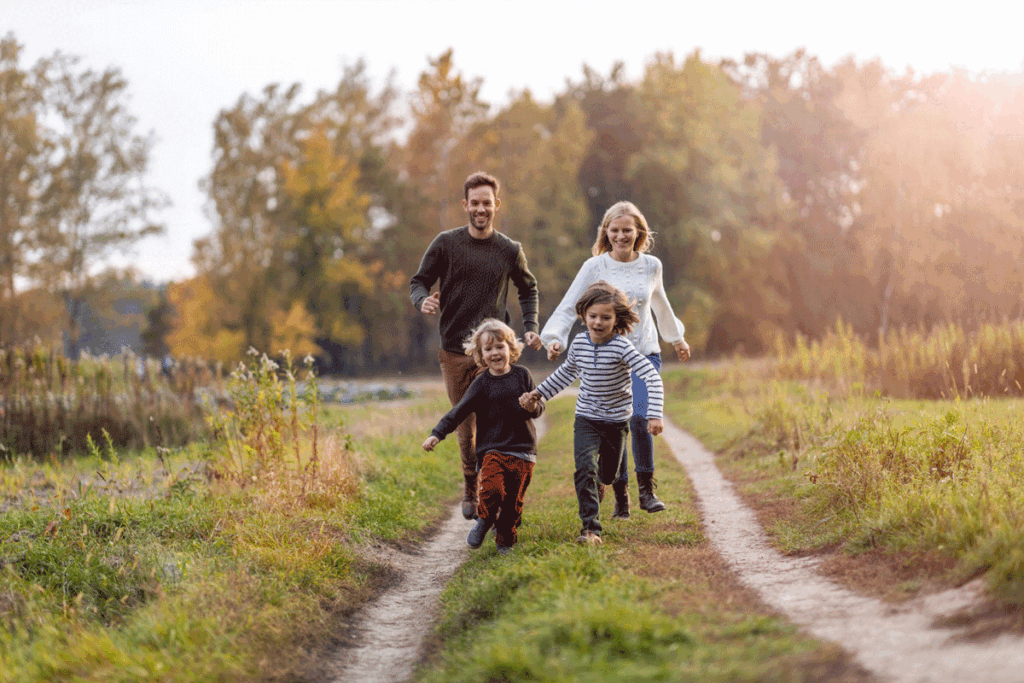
x,y
391,630
897,643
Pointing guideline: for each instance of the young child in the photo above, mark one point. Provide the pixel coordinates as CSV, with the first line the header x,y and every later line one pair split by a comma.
x,y
602,359
506,440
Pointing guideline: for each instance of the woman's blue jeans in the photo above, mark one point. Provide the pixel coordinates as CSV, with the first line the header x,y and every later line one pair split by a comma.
x,y
643,442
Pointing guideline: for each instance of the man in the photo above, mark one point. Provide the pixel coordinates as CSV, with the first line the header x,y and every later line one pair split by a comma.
x,y
474,264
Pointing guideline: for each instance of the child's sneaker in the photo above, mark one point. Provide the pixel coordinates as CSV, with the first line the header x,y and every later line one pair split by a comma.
x,y
504,549
475,539
588,537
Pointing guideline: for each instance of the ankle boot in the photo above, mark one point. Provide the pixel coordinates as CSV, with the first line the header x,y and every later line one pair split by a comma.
x,y
621,489
469,497
648,501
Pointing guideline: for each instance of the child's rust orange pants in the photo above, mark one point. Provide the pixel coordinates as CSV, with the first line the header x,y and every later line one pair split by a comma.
x,y
503,482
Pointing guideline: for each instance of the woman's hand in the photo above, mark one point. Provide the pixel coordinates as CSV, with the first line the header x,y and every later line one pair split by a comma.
x,y
655,426
682,350
554,348
431,441
532,339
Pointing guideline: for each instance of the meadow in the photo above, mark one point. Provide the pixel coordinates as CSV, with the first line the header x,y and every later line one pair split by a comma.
x,y
246,552
903,462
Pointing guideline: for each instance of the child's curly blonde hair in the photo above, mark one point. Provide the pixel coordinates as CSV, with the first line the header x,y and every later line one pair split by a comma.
x,y
497,329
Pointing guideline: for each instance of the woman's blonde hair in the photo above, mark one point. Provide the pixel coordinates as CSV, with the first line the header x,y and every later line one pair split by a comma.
x,y
644,237
499,330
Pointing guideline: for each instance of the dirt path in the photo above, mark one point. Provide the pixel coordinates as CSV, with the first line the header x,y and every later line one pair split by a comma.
x,y
391,630
896,643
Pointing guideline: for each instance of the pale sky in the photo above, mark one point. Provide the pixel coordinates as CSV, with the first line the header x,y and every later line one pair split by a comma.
x,y
185,60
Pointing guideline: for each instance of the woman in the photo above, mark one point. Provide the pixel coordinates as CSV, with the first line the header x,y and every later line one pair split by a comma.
x,y
620,259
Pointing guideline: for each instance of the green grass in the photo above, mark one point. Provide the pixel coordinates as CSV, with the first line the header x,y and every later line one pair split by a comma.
x,y
943,477
181,579
648,605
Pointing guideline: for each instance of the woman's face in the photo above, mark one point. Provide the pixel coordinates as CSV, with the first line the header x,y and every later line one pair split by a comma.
x,y
622,234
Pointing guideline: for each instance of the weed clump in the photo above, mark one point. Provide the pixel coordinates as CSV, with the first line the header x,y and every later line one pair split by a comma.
x,y
268,437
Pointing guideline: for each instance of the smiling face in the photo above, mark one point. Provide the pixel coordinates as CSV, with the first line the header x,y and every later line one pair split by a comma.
x,y
600,322
622,234
496,354
481,205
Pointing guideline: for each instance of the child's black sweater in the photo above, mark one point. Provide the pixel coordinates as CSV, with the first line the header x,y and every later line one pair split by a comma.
x,y
501,423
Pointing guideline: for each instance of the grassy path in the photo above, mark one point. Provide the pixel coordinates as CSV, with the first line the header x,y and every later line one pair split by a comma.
x,y
655,603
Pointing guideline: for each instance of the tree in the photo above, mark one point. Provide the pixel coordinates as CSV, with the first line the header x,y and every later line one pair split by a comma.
x,y
22,149
819,151
94,200
238,263
299,194
703,177
445,107
326,226
610,106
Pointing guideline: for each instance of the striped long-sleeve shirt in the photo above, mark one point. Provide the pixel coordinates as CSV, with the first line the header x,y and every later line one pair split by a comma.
x,y
603,370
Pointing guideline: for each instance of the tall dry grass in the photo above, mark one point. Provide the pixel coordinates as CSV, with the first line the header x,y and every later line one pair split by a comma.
x,y
50,405
946,362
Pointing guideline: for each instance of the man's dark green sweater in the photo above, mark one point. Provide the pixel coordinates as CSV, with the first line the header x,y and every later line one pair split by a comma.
x,y
474,277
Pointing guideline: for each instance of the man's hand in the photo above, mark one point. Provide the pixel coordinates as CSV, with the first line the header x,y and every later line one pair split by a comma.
x,y
655,426
554,348
682,350
432,304
431,441
528,401
532,340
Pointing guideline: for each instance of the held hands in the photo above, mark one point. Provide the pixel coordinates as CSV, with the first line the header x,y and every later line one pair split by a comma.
x,y
655,426
431,441
529,400
554,348
682,350
532,340
432,304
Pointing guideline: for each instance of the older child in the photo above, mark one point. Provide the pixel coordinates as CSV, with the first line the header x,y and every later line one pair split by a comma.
x,y
602,359
506,440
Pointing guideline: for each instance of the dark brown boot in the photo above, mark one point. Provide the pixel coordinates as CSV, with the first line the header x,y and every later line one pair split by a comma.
x,y
469,497
621,500
648,501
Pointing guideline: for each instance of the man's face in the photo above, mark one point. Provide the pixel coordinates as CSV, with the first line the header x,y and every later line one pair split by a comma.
x,y
480,205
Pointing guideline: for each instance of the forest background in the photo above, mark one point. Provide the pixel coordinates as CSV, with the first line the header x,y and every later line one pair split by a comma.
x,y
785,196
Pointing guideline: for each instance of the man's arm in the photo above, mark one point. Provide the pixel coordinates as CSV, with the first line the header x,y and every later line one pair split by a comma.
x,y
529,300
426,276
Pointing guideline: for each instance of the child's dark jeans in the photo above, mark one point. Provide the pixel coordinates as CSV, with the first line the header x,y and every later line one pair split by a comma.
x,y
598,449
503,482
